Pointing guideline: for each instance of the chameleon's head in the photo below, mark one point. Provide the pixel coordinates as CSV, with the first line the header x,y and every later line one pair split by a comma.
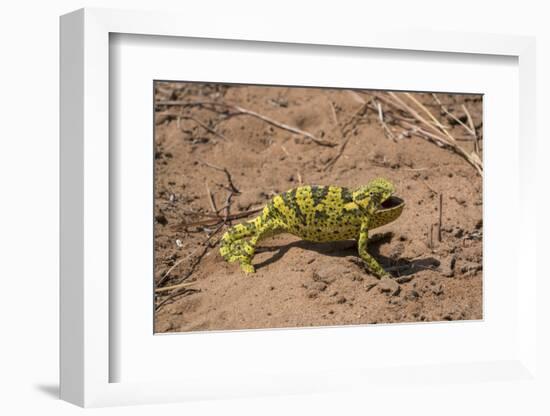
x,y
377,198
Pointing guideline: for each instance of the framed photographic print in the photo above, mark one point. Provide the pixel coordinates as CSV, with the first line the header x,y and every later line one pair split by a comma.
x,y
285,213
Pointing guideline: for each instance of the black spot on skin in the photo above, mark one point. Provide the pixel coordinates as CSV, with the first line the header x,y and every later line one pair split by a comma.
x,y
318,194
346,195
321,215
290,201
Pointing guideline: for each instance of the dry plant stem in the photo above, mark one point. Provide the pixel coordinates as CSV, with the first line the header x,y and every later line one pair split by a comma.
x,y
176,264
472,127
210,199
440,222
456,119
292,129
237,110
428,112
227,206
227,174
204,126
342,147
331,163
387,130
204,247
430,188
475,162
216,220
334,116
174,295
179,286
450,142
178,116
184,284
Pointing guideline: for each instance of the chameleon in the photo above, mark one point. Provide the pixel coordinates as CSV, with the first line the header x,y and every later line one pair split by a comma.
x,y
318,214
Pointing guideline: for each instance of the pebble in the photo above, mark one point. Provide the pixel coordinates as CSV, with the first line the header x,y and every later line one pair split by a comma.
x,y
341,300
404,279
448,266
438,290
470,268
321,276
318,286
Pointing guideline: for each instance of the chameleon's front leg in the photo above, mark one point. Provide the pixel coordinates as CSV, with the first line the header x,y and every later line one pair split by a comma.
x,y
372,265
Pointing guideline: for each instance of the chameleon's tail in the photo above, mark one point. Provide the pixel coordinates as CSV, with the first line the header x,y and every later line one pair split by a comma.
x,y
233,245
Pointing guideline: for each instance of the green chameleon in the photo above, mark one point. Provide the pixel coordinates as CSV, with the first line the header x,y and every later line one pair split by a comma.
x,y
319,214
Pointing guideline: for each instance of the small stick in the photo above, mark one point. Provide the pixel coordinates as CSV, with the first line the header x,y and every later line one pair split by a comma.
x,y
204,126
440,217
204,247
210,199
178,286
174,295
471,123
227,174
227,206
387,130
334,116
430,188
176,264
241,110
299,177
217,219
446,111
431,245
342,147
429,113
331,163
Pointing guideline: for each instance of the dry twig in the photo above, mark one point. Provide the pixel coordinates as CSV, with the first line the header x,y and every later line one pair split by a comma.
x,y
227,174
238,110
433,135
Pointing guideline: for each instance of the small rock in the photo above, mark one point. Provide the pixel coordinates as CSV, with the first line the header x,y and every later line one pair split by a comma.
x,y
459,233
322,276
341,300
312,294
389,286
403,237
318,286
404,279
479,224
310,261
357,278
470,268
412,294
437,290
448,266
161,219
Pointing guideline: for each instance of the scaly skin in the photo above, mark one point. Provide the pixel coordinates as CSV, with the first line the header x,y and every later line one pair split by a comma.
x,y
319,214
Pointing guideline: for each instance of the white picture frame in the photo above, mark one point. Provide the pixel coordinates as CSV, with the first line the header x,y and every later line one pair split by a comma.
x,y
86,356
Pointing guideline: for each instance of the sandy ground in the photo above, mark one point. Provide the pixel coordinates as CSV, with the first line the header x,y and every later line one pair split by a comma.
x,y
298,283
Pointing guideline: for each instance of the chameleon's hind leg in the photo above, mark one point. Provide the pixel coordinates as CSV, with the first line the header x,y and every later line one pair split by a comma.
x,y
265,228
372,265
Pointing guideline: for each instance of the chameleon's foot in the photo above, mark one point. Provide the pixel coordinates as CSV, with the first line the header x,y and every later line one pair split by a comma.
x,y
247,268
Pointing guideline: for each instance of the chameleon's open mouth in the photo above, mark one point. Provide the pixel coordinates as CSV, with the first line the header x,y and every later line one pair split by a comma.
x,y
391,202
